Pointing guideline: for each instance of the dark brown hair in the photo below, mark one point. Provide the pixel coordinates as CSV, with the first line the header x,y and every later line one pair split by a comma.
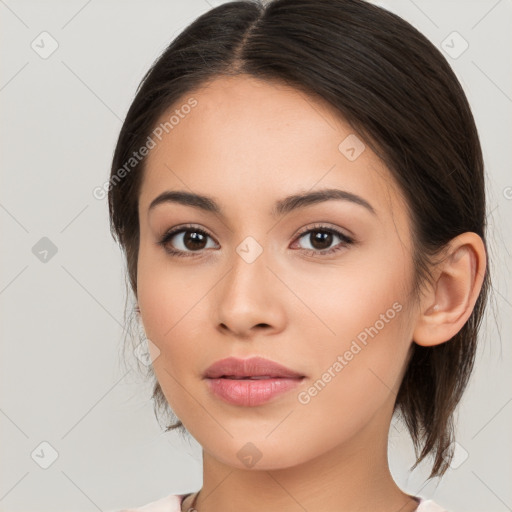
x,y
399,94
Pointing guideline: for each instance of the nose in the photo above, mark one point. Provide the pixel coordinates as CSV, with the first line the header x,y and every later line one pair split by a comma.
x,y
250,298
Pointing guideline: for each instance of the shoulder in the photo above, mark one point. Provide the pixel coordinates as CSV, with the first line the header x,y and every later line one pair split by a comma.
x,y
170,503
429,506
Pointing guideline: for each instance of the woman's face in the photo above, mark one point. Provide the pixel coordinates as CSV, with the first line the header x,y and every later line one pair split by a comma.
x,y
259,280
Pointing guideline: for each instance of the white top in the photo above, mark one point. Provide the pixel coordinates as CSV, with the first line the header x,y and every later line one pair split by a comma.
x,y
172,503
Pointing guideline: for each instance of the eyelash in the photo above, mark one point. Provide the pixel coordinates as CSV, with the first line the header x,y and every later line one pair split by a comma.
x,y
168,235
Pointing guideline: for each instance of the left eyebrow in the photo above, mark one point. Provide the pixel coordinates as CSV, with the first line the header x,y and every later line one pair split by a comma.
x,y
296,201
281,207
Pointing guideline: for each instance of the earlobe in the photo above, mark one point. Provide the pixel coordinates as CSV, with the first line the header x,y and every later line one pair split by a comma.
x,y
452,297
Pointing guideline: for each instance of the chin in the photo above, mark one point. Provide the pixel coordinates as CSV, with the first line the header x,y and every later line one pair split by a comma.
x,y
255,453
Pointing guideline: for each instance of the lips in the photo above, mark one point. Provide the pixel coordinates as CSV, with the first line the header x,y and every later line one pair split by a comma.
x,y
253,368
250,382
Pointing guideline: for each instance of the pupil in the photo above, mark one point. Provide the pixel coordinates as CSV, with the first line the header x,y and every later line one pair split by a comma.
x,y
322,237
193,240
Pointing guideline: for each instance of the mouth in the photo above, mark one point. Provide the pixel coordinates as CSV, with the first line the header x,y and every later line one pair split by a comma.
x,y
254,368
251,391
254,377
250,382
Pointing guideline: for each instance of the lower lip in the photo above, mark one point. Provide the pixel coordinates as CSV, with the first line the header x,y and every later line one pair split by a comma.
x,y
251,392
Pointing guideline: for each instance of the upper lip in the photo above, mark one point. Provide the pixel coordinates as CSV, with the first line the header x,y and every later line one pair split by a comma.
x,y
251,367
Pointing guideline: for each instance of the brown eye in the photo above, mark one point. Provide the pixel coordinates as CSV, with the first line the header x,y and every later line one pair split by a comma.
x,y
194,240
321,238
184,241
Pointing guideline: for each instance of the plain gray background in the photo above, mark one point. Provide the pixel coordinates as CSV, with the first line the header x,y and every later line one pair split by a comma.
x,y
62,383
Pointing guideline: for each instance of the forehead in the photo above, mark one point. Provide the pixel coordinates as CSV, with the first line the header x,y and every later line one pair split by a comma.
x,y
249,140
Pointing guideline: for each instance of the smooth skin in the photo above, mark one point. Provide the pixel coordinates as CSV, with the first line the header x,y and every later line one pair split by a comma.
x,y
247,144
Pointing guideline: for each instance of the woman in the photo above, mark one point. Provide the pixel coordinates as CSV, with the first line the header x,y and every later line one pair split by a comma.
x,y
298,189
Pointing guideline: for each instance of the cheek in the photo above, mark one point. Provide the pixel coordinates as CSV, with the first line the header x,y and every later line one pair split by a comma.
x,y
357,374
156,299
360,357
362,297
173,312
167,315
160,290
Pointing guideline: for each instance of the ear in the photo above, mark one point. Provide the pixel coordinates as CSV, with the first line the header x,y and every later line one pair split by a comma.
x,y
447,305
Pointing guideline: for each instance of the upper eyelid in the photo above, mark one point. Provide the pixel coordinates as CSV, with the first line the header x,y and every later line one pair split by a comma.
x,y
180,229
326,227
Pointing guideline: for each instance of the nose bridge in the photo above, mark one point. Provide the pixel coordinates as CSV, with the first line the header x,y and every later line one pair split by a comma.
x,y
248,296
250,249
249,273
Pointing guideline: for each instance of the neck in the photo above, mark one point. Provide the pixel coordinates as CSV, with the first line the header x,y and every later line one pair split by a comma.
x,y
351,476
